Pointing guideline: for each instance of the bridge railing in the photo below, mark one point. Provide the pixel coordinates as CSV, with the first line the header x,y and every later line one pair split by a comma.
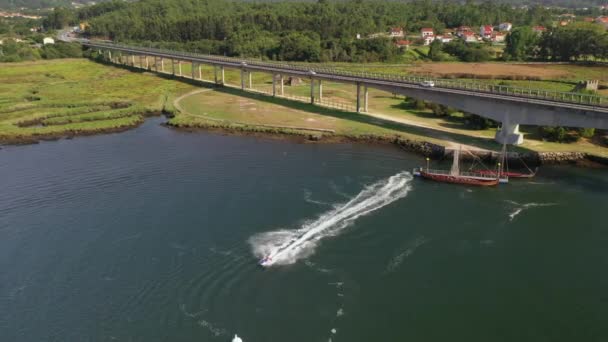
x,y
551,95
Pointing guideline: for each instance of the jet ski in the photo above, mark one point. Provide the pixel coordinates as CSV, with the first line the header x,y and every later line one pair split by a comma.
x,y
265,261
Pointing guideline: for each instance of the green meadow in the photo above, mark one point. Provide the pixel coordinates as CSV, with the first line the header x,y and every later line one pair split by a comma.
x,y
50,99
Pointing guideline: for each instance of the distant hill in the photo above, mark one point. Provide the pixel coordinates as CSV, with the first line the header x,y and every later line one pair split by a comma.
x,y
34,4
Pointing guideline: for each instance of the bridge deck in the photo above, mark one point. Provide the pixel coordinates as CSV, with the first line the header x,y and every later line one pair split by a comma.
x,y
569,100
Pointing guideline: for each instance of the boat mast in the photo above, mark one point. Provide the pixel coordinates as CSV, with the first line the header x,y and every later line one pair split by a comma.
x,y
503,158
455,171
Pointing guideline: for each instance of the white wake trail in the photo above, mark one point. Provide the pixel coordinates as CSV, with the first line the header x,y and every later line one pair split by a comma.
x,y
287,246
521,207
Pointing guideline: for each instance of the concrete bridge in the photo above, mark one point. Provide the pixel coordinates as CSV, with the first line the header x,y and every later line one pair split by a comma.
x,y
511,106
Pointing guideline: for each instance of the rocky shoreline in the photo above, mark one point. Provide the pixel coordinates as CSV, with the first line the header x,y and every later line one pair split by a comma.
x,y
431,150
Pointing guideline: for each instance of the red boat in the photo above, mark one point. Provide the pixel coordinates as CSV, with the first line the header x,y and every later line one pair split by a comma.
x,y
455,176
510,174
480,180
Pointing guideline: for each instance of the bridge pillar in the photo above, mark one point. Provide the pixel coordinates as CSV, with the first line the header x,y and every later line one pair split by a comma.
x,y
200,72
274,84
173,66
250,81
312,90
147,63
192,71
179,64
509,133
282,85
320,90
358,97
133,60
109,55
365,99
162,64
242,79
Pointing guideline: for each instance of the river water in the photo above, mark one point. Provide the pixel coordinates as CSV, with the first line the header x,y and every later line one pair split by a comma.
x,y
155,235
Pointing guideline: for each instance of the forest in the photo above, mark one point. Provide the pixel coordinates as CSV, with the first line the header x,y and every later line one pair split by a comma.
x,y
321,31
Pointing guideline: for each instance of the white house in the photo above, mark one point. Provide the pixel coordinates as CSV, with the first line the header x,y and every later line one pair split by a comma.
x,y
469,37
396,32
444,38
505,27
486,31
539,29
427,32
498,37
48,40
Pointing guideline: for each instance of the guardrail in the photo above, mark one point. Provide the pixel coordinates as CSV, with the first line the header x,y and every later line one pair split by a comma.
x,y
550,95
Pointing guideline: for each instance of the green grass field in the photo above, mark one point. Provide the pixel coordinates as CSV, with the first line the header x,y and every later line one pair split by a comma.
x,y
48,99
387,118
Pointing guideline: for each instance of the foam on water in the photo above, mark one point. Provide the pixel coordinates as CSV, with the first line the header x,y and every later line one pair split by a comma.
x,y
287,246
402,255
521,207
308,198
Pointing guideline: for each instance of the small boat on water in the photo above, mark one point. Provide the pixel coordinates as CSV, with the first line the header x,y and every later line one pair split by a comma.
x,y
265,261
456,176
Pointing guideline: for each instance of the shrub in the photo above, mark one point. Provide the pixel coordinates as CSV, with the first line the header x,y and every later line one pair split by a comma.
x,y
586,132
474,121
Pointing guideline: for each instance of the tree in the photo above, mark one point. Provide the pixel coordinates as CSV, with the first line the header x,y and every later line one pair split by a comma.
x,y
297,46
574,42
435,50
521,44
59,18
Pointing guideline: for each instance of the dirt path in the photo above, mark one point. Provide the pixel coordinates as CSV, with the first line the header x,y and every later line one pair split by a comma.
x,y
402,121
176,102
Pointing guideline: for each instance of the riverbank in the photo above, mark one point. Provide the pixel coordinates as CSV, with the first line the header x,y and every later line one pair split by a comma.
x,y
234,112
68,98
423,148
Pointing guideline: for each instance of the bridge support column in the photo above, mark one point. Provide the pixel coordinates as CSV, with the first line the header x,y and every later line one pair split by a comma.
x,y
242,79
109,55
282,81
358,97
509,133
200,72
365,99
222,74
179,64
173,66
250,80
133,60
147,63
320,90
192,71
162,64
312,90
155,64
274,85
